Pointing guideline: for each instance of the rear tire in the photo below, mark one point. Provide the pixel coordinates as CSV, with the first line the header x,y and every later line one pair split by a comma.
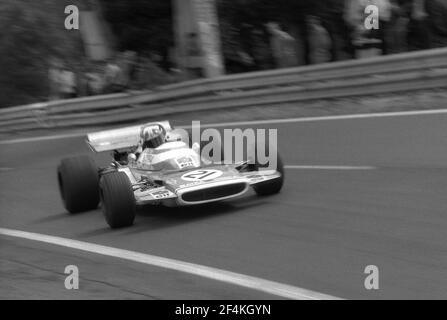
x,y
78,184
118,200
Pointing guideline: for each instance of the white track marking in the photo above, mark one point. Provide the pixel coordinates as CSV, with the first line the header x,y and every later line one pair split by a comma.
x,y
327,118
311,167
274,288
255,122
44,138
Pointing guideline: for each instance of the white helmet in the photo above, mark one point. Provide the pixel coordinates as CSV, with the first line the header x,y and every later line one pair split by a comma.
x,y
152,136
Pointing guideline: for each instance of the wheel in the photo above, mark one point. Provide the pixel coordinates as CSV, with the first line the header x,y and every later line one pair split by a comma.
x,y
273,186
78,184
118,200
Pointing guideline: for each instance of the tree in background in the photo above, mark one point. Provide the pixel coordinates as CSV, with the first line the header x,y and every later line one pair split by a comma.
x,y
331,14
437,11
31,32
239,18
143,26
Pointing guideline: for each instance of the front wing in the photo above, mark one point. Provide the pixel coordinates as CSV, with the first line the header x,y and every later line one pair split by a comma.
x,y
160,194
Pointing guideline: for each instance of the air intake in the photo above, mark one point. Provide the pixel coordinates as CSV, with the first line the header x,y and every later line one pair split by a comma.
x,y
214,193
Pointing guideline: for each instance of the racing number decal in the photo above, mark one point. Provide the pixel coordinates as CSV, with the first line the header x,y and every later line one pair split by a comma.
x,y
202,175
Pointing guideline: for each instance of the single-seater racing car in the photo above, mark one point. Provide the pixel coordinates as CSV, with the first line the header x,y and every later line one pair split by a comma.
x,y
155,164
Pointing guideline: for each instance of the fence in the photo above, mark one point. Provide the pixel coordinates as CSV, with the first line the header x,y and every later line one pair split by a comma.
x,y
394,73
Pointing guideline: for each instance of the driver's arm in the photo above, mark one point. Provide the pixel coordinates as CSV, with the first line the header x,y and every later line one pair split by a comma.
x,y
139,148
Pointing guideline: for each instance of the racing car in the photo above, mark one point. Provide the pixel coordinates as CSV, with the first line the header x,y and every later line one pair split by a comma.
x,y
156,164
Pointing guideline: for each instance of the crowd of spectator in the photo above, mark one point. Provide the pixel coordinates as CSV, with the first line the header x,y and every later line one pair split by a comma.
x,y
332,30
403,25
336,33
112,76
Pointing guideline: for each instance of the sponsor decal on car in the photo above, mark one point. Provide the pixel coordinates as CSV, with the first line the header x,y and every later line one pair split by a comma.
x,y
189,184
162,194
185,162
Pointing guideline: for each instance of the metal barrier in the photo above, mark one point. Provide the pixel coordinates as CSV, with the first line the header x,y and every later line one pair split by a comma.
x,y
394,73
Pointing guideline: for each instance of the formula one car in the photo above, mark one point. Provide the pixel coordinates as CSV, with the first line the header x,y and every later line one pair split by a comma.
x,y
155,164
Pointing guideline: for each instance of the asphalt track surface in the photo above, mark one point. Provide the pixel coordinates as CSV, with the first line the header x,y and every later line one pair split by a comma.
x,y
319,233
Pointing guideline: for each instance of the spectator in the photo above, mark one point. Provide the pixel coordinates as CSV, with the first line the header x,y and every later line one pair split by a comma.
x,y
128,66
68,87
194,63
354,18
261,50
368,42
418,32
62,81
81,77
319,41
95,83
397,38
385,15
54,78
113,77
437,12
332,20
283,46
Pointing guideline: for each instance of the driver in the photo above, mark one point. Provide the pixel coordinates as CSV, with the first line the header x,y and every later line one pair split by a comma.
x,y
149,155
150,137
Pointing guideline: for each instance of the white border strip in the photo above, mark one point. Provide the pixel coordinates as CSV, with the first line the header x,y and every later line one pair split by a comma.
x,y
254,122
329,167
328,118
270,287
45,138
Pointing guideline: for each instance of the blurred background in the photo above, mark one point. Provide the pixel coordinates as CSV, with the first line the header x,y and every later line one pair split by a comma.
x,y
141,44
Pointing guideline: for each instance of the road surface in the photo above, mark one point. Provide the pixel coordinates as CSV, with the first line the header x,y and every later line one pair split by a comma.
x,y
319,233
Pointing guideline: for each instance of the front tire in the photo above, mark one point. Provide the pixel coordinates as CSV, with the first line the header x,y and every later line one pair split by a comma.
x,y
273,186
118,200
78,184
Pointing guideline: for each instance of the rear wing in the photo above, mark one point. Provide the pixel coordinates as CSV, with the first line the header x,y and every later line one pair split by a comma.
x,y
116,139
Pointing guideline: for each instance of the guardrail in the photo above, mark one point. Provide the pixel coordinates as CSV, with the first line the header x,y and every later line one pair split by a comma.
x,y
394,73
